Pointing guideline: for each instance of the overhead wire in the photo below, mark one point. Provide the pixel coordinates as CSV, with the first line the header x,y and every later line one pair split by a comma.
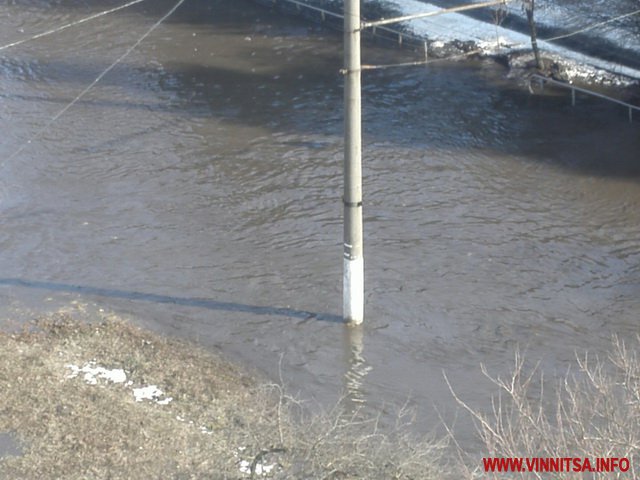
x,y
426,61
591,27
78,97
69,25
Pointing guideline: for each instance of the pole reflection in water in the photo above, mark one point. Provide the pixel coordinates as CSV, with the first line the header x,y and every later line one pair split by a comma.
x,y
355,394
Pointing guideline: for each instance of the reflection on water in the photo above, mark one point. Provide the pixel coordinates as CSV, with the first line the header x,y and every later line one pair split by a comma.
x,y
355,377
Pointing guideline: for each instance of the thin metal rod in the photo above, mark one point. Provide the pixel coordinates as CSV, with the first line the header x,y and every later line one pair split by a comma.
x,y
543,80
329,13
426,61
353,258
396,65
322,11
404,18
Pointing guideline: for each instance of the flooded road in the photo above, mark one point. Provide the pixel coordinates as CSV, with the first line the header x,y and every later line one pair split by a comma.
x,y
197,187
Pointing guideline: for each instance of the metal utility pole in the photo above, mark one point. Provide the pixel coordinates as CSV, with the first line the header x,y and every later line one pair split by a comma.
x,y
353,263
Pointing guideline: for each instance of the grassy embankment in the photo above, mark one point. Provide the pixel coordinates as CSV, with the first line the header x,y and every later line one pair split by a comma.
x,y
68,392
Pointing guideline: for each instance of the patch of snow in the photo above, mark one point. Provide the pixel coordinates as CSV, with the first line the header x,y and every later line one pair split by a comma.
x,y
151,392
455,26
495,45
92,372
245,467
572,16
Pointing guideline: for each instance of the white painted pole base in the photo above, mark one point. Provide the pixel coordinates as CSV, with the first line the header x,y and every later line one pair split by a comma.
x,y
353,291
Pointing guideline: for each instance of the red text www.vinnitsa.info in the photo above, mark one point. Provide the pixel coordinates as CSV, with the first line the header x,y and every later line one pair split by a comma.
x,y
555,465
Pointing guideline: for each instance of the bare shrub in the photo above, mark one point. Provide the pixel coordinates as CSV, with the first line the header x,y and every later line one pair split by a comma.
x,y
594,412
339,444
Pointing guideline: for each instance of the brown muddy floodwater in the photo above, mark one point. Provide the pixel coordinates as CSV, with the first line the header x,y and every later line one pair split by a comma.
x,y
198,186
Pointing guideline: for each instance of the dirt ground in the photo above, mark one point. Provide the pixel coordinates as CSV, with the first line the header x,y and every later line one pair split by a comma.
x,y
106,400
98,398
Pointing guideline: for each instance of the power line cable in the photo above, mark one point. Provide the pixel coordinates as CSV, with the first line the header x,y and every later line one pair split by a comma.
x,y
591,27
92,84
69,25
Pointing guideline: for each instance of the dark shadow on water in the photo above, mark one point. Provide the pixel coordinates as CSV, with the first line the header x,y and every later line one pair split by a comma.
x,y
167,299
296,87
410,108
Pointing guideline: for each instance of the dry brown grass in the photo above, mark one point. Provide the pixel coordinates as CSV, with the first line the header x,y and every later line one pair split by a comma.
x,y
220,424
594,412
347,445
74,430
